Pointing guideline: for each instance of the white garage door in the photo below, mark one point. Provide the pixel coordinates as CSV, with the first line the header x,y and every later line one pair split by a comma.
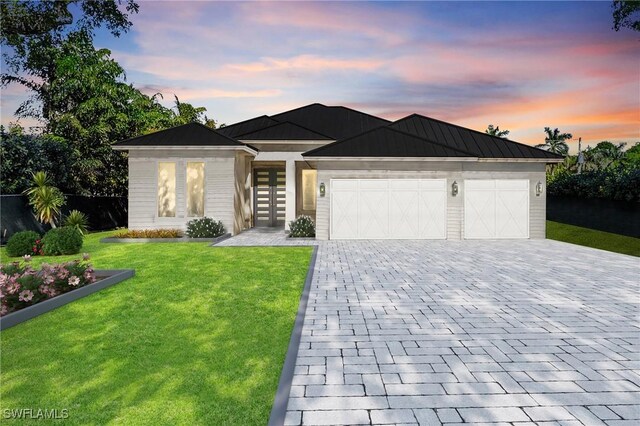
x,y
496,209
388,209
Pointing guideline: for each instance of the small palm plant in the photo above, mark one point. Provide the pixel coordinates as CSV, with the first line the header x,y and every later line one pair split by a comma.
x,y
77,219
45,199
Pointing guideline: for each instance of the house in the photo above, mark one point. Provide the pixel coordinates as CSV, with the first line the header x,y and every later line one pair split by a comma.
x,y
359,177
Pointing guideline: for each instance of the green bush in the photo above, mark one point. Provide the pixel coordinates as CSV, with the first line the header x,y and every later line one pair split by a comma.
x,y
303,226
65,240
618,184
204,227
78,220
22,243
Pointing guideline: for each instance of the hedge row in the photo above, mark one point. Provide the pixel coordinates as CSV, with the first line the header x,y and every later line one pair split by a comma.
x,y
620,184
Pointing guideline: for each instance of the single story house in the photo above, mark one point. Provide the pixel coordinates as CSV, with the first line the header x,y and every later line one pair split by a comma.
x,y
358,176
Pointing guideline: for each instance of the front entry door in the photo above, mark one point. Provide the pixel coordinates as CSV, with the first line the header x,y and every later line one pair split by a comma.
x,y
269,192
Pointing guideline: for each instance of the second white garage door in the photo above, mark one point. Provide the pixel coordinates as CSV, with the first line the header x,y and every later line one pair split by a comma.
x,y
496,209
388,209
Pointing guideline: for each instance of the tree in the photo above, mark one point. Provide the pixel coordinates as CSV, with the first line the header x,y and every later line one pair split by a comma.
x,y
555,141
36,32
605,154
631,158
23,154
495,131
626,13
187,113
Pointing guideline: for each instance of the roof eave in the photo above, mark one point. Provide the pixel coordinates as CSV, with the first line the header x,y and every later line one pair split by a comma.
x,y
344,158
521,160
185,147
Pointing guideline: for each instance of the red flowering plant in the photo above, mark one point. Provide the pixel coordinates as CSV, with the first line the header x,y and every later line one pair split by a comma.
x,y
22,286
37,248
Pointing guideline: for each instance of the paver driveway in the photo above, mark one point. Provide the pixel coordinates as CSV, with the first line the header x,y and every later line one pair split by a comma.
x,y
408,332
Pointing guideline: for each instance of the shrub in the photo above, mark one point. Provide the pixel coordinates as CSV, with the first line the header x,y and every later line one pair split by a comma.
x,y
78,220
65,240
204,227
22,243
22,286
303,226
150,233
617,184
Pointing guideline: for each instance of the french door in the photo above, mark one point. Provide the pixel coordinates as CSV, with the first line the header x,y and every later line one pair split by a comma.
x,y
269,192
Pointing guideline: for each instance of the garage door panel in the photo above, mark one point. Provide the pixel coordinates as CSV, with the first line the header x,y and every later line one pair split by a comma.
x,y
388,208
478,184
501,212
373,213
479,214
344,214
433,214
433,184
404,213
404,184
512,214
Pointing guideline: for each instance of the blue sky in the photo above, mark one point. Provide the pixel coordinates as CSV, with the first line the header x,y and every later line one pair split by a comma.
x,y
520,65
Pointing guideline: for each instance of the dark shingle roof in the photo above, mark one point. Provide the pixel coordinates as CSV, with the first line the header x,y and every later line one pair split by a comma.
x,y
337,122
386,142
191,134
480,144
283,131
247,126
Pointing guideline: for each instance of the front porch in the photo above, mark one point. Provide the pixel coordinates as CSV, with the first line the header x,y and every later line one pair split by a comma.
x,y
281,190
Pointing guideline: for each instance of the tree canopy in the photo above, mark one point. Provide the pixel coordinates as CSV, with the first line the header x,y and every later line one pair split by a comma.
x,y
495,131
626,14
79,93
555,141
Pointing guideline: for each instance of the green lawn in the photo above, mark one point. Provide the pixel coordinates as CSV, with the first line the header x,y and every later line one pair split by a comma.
x,y
198,336
592,238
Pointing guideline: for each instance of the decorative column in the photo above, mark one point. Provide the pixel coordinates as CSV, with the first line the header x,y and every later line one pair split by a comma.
x,y
290,206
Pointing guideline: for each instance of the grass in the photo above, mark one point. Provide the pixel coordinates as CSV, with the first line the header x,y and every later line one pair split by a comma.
x,y
198,336
592,238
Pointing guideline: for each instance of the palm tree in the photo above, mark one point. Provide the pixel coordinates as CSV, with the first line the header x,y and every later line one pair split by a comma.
x,y
495,131
605,154
555,141
45,199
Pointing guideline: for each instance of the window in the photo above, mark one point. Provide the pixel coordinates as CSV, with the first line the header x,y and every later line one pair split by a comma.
x,y
195,189
309,181
166,189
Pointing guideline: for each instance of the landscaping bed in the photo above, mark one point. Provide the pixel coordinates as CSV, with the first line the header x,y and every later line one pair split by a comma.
x,y
104,278
166,240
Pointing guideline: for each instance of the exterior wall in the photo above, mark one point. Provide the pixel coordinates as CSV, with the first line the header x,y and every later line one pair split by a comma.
x,y
242,197
220,187
452,171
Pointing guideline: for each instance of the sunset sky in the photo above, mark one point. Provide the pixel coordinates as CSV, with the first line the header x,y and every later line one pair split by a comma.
x,y
519,65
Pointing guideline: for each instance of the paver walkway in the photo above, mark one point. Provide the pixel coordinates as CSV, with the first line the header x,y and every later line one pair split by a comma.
x,y
445,332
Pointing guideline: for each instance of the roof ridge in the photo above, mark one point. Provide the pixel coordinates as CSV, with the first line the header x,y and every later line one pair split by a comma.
x,y
300,107
191,123
431,141
477,131
313,151
244,121
286,122
360,112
